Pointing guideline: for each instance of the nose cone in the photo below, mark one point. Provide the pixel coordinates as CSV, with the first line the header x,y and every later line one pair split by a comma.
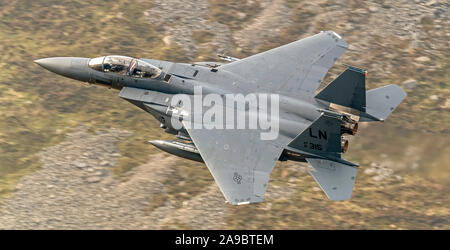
x,y
58,65
72,67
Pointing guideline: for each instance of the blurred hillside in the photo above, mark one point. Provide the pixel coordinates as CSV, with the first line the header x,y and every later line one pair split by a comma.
x,y
61,139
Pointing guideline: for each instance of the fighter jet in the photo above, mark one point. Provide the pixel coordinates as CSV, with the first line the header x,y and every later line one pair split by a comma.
x,y
311,127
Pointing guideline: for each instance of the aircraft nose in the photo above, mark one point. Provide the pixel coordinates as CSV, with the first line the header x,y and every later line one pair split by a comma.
x,y
58,65
72,67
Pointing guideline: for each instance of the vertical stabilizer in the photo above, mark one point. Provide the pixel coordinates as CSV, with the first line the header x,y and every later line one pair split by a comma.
x,y
322,137
348,89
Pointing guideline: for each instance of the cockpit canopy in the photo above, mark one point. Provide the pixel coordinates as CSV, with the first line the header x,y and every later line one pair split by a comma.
x,y
124,65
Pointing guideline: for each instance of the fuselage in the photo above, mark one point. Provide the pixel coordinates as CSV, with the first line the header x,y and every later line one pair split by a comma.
x,y
162,80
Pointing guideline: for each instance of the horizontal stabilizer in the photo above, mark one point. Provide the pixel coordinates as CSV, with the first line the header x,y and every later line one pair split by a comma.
x,y
381,102
334,178
348,89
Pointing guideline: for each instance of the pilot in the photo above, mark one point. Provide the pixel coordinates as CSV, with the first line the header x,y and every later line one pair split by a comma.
x,y
130,70
107,67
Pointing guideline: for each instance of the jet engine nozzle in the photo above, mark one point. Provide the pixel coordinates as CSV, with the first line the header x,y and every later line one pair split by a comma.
x,y
344,146
349,128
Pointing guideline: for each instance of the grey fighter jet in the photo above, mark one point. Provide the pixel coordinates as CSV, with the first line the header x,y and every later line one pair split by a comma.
x,y
313,127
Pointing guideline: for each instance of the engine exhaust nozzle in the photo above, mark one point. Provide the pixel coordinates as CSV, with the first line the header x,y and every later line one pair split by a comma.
x,y
349,128
344,146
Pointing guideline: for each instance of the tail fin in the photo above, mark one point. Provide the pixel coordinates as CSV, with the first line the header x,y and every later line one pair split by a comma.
x,y
382,101
322,137
348,89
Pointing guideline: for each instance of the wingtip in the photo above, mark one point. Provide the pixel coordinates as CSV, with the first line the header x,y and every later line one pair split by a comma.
x,y
339,40
401,89
336,34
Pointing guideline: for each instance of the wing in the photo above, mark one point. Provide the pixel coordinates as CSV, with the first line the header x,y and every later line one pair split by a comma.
x,y
295,67
238,160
